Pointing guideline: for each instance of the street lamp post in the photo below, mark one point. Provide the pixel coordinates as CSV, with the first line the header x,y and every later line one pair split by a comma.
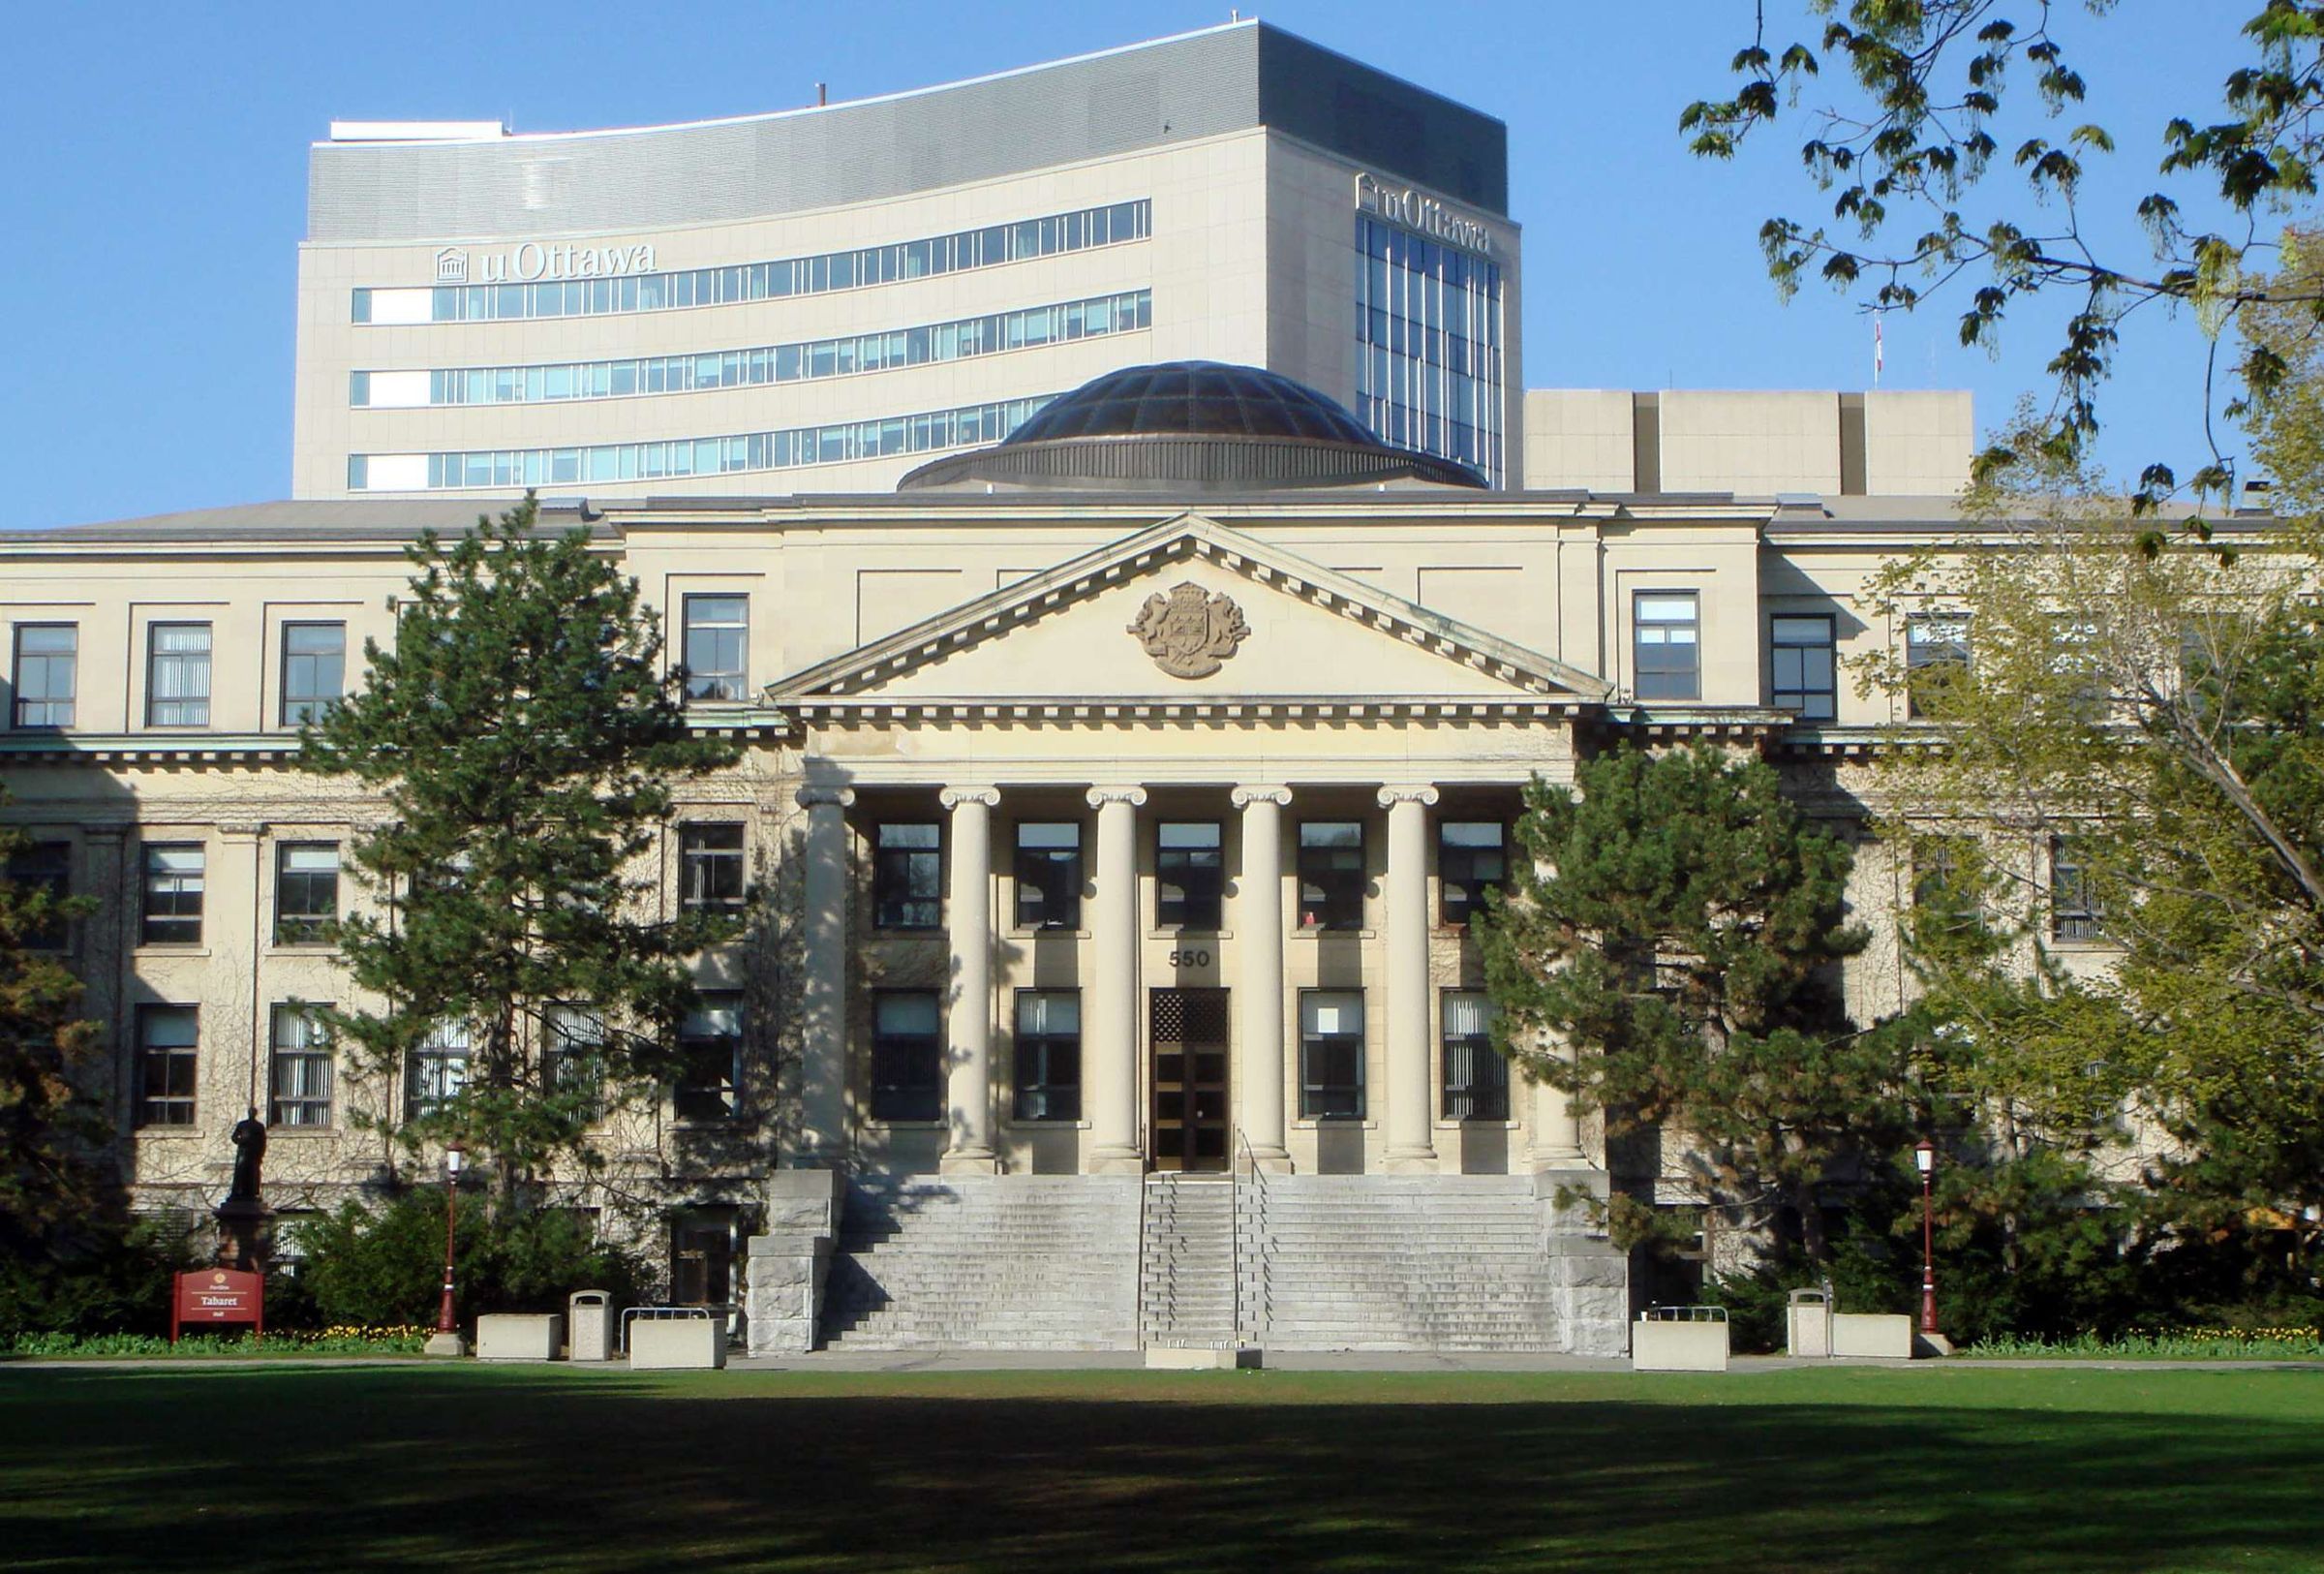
x,y
1924,1157
446,1340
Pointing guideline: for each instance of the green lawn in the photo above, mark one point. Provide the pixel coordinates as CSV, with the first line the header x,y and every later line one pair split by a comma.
x,y
149,1466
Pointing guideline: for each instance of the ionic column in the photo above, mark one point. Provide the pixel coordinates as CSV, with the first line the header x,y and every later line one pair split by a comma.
x,y
1259,983
1411,1116
823,988
1110,1022
968,1084
1556,1131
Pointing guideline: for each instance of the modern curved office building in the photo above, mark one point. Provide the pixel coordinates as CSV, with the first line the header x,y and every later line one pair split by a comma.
x,y
823,298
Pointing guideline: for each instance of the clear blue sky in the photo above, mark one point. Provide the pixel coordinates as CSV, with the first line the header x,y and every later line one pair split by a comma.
x,y
153,194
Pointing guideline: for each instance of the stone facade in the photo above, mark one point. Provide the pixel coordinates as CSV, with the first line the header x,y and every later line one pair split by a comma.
x,y
1096,665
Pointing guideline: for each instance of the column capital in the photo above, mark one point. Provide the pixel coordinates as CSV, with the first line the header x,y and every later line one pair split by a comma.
x,y
1100,796
242,832
952,797
1390,796
816,796
1243,797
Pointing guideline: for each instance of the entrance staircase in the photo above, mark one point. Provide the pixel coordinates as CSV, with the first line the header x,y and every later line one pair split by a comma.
x,y
1186,1281
1287,1262
1003,1262
1396,1262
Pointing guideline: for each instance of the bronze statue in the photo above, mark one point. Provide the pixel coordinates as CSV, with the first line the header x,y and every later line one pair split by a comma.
x,y
250,1149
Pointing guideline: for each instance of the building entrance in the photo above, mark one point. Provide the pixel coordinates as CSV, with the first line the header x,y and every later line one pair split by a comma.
x,y
1188,1029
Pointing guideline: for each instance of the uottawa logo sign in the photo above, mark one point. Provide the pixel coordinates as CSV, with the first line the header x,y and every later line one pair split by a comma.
x,y
536,261
218,1295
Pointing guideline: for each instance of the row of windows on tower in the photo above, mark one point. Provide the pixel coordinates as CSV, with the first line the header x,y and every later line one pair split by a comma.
x,y
908,873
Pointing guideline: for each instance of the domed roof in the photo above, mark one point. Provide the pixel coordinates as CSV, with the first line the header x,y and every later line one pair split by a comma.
x,y
1194,398
1191,424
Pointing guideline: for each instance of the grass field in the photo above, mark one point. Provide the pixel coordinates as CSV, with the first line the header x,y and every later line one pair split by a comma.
x,y
147,1467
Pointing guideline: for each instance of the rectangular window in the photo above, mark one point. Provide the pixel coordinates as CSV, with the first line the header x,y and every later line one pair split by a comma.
x,y
436,1070
1665,648
167,1039
717,629
45,866
2076,912
1189,875
710,1043
1476,1075
710,868
169,913
177,674
1049,1055
908,875
1331,873
1331,1054
1936,657
1049,874
306,892
908,1056
1805,671
1471,858
314,670
572,1055
301,1077
46,674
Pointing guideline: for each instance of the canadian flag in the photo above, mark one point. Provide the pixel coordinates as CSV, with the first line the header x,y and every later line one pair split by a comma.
x,y
1877,349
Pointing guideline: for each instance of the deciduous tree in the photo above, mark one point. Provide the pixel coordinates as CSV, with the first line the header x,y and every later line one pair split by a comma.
x,y
1940,173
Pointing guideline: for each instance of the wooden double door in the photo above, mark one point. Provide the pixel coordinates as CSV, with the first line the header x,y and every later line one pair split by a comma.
x,y
1186,1030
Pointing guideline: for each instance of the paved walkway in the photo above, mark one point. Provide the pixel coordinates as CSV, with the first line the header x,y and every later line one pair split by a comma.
x,y
916,1361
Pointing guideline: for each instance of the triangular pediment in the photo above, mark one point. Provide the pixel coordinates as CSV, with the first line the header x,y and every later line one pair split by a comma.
x,y
1188,610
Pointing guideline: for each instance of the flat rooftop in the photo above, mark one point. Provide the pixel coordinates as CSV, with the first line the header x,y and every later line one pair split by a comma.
x,y
387,182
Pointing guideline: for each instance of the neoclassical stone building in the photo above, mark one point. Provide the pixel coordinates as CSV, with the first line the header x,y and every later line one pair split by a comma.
x,y
1120,794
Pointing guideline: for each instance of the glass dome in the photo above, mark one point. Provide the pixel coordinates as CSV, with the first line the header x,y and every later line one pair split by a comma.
x,y
1194,398
1184,426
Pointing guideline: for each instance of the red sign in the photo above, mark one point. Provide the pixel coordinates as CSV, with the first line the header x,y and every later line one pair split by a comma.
x,y
218,1295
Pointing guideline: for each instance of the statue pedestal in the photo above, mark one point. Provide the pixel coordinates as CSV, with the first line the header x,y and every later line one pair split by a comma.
x,y
245,1235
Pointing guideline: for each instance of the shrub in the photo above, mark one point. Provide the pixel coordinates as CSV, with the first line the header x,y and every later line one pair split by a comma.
x,y
276,1344
384,1266
116,1281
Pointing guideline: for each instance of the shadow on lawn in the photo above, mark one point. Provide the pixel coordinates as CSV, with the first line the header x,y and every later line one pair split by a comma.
x,y
355,1469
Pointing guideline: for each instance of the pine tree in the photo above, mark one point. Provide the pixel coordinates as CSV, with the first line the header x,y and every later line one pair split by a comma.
x,y
527,739
1679,929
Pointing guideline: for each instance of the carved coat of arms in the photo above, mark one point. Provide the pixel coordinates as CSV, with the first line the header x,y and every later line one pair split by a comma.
x,y
1190,632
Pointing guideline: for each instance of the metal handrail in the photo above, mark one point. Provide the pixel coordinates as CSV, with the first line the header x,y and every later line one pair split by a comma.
x,y
1234,1221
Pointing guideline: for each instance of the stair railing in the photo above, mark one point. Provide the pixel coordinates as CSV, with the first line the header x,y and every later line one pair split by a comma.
x,y
1246,1325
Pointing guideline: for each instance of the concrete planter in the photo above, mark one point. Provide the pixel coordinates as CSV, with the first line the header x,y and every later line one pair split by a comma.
x,y
1678,1347
508,1335
679,1344
1880,1337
